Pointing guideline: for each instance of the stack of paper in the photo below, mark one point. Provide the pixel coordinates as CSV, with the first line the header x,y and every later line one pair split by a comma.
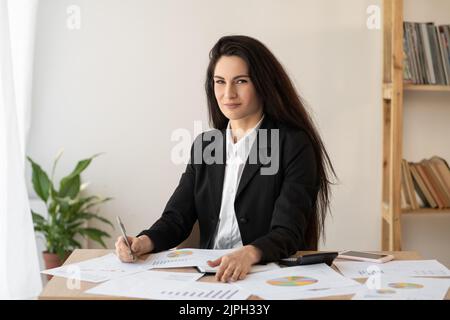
x,y
98,269
168,285
110,267
404,288
413,268
398,280
298,283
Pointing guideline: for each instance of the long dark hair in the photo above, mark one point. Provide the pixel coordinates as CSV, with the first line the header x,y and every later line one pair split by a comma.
x,y
283,104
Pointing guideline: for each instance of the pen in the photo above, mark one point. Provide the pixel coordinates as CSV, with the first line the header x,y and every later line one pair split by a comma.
x,y
122,229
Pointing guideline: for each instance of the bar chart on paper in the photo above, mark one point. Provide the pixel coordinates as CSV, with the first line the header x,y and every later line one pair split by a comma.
x,y
201,294
183,258
205,291
164,285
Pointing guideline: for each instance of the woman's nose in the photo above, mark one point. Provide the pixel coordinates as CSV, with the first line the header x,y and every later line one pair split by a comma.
x,y
230,91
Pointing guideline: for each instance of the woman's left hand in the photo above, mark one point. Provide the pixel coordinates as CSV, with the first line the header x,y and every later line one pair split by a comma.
x,y
236,265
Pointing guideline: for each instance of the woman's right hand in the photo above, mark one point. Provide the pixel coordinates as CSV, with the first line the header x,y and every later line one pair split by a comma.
x,y
139,246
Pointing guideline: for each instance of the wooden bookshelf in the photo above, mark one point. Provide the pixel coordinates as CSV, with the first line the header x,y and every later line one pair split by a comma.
x,y
426,211
425,87
393,90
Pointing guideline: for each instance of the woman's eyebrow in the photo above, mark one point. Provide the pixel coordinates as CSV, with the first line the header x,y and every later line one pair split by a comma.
x,y
240,76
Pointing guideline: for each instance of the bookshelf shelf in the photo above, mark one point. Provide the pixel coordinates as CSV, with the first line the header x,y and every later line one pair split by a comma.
x,y
426,211
393,90
416,87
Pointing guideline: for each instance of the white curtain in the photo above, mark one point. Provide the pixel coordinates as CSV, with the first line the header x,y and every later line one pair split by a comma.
x,y
19,267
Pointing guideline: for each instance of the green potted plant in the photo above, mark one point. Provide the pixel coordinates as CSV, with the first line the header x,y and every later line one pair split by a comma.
x,y
68,212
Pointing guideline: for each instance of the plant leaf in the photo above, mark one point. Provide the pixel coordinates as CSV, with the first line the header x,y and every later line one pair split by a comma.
x,y
94,234
98,202
90,215
75,225
75,243
79,202
69,187
62,205
61,252
41,182
37,218
81,166
56,161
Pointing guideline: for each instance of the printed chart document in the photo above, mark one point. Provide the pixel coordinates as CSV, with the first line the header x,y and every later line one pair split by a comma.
x,y
164,285
99,269
184,258
403,288
411,268
328,292
292,282
206,291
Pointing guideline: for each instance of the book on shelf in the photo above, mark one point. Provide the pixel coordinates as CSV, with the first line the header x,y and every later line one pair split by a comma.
x,y
438,185
426,53
425,184
431,184
422,191
410,197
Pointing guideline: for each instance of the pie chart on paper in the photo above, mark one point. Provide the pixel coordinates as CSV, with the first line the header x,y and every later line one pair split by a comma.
x,y
292,281
405,285
179,253
385,291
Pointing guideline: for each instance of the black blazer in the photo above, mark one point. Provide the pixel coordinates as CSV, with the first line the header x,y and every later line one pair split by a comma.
x,y
272,210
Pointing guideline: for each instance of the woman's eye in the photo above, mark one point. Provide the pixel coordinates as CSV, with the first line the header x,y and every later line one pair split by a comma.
x,y
238,81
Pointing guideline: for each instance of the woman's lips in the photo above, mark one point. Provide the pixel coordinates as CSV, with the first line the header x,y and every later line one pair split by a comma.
x,y
232,106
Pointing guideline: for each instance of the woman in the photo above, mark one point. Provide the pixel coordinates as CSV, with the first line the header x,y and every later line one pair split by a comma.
x,y
265,216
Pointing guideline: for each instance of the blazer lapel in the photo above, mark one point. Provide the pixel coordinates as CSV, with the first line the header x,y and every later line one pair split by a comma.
x,y
250,169
216,175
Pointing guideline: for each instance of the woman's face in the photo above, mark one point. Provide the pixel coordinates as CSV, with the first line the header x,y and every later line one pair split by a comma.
x,y
234,90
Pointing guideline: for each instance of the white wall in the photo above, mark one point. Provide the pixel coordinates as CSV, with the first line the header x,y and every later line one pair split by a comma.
x,y
134,73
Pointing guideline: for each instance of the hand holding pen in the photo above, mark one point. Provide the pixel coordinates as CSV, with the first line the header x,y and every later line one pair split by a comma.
x,y
128,249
